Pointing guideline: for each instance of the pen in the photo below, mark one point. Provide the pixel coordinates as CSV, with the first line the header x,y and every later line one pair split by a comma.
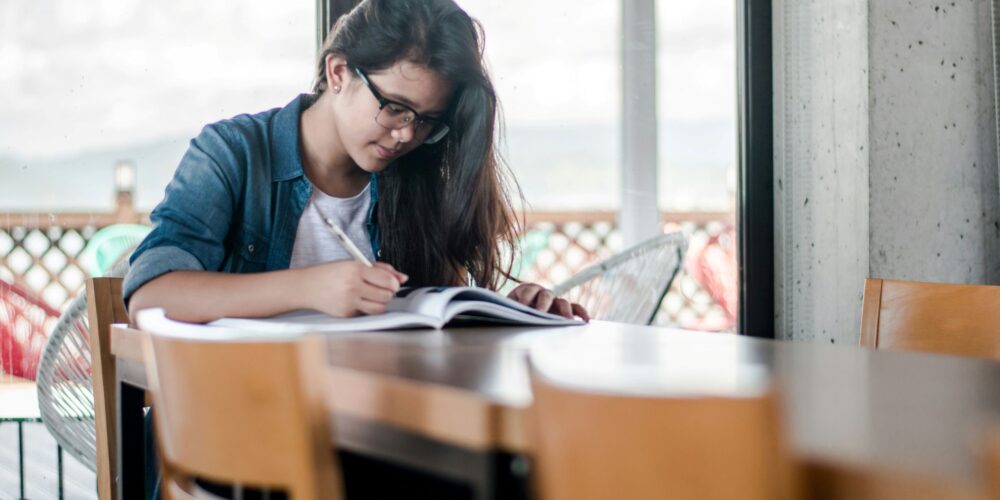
x,y
345,241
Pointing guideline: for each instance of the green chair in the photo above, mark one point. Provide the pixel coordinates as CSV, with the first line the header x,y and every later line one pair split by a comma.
x,y
109,245
529,246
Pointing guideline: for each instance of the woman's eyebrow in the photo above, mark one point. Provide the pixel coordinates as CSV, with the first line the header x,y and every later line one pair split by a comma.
x,y
404,100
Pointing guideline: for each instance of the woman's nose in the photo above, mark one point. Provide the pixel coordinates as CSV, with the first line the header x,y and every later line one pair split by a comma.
x,y
403,135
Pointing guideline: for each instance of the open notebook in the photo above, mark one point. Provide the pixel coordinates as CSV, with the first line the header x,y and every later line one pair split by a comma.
x,y
428,307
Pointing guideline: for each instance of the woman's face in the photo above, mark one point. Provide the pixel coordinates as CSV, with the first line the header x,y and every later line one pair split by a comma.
x,y
374,143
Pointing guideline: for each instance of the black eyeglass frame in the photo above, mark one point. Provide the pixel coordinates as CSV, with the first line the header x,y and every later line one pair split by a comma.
x,y
438,128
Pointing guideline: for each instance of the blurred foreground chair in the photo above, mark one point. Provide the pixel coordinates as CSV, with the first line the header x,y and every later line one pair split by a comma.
x,y
991,461
628,287
247,414
599,445
931,317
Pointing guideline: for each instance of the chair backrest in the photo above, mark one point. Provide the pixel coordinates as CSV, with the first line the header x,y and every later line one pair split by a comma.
x,y
110,245
250,414
66,381
105,307
591,445
66,385
629,286
931,317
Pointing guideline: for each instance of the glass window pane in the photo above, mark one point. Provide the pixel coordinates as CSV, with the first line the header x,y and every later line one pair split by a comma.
x,y
696,72
697,104
555,66
99,82
91,85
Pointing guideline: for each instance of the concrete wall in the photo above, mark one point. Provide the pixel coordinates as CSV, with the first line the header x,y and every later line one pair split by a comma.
x,y
933,203
885,154
821,167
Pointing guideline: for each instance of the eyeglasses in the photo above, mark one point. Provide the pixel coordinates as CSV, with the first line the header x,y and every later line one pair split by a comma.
x,y
394,115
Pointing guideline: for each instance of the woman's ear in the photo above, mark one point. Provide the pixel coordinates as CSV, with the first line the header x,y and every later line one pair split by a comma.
x,y
336,73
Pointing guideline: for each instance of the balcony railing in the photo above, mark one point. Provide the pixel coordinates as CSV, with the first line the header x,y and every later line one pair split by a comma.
x,y
41,252
703,294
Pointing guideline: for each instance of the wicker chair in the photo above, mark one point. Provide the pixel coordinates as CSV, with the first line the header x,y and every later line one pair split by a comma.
x,y
628,287
66,384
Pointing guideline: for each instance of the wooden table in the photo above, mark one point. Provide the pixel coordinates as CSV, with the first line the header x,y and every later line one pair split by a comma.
x,y
863,424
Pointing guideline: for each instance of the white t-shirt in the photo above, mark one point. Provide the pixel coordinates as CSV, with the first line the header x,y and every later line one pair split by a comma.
x,y
315,244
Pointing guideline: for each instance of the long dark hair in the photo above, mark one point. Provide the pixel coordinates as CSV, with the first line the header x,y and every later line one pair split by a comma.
x,y
444,208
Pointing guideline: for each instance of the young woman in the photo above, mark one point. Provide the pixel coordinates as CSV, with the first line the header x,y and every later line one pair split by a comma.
x,y
396,145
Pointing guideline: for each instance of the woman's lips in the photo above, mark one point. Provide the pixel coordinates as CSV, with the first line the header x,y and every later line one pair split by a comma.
x,y
385,153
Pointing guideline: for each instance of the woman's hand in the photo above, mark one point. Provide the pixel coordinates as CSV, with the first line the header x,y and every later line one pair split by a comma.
x,y
535,296
349,288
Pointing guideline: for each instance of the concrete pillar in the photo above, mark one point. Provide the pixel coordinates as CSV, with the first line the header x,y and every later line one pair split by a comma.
x,y
821,167
933,205
885,154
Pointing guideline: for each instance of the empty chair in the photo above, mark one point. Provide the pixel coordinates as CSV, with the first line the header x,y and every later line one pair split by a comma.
x,y
67,374
931,317
628,287
598,445
66,385
247,414
110,246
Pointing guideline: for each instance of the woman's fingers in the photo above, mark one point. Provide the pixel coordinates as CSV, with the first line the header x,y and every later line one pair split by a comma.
x,y
402,278
370,307
375,294
539,298
378,286
562,308
544,299
381,277
526,294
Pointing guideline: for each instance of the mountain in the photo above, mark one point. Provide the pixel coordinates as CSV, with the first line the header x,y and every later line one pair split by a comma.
x,y
557,167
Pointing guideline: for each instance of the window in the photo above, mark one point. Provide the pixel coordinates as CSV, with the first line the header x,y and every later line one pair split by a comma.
x,y
556,74
557,68
696,44
98,84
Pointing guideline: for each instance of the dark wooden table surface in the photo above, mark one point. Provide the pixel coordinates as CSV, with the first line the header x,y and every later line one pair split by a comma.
x,y
861,423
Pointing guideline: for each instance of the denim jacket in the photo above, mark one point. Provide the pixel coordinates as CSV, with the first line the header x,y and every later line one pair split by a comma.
x,y
235,201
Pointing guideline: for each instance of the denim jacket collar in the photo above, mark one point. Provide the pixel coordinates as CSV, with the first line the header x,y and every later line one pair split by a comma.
x,y
285,139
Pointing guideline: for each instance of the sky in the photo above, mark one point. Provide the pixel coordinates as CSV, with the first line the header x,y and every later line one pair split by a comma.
x,y
84,82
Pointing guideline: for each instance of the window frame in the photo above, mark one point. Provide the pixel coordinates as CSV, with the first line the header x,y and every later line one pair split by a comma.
x,y
755,173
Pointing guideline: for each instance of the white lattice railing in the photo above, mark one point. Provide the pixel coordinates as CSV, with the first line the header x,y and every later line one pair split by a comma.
x,y
41,253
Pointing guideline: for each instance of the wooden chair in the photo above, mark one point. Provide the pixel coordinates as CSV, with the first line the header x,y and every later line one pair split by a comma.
x,y
991,460
250,414
601,445
931,317
104,308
